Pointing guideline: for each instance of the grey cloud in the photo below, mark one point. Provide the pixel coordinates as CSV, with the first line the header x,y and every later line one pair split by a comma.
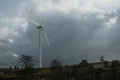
x,y
71,38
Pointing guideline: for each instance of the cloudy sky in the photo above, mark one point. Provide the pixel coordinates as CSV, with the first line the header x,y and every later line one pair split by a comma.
x,y
76,29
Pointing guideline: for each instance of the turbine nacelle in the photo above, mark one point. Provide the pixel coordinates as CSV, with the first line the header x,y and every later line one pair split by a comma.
x,y
39,27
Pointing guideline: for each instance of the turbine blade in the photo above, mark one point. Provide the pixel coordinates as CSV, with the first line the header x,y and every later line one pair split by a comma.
x,y
34,22
42,23
44,33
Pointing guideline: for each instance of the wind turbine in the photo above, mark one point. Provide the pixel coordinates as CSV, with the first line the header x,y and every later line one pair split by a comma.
x,y
41,33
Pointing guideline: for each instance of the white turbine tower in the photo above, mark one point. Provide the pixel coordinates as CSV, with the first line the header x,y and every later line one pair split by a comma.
x,y
41,33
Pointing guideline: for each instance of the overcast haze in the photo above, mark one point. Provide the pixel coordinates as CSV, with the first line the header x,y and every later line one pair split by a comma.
x,y
76,29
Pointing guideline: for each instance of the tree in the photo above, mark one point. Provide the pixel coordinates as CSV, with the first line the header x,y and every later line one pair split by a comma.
x,y
106,63
115,63
56,63
83,63
26,61
56,69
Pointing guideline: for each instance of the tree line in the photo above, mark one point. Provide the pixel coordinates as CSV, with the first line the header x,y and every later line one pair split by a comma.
x,y
103,70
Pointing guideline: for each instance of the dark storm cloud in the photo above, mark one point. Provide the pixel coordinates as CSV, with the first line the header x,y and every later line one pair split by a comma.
x,y
72,39
74,35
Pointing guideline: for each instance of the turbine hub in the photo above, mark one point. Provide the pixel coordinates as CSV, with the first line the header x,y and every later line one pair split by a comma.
x,y
39,27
